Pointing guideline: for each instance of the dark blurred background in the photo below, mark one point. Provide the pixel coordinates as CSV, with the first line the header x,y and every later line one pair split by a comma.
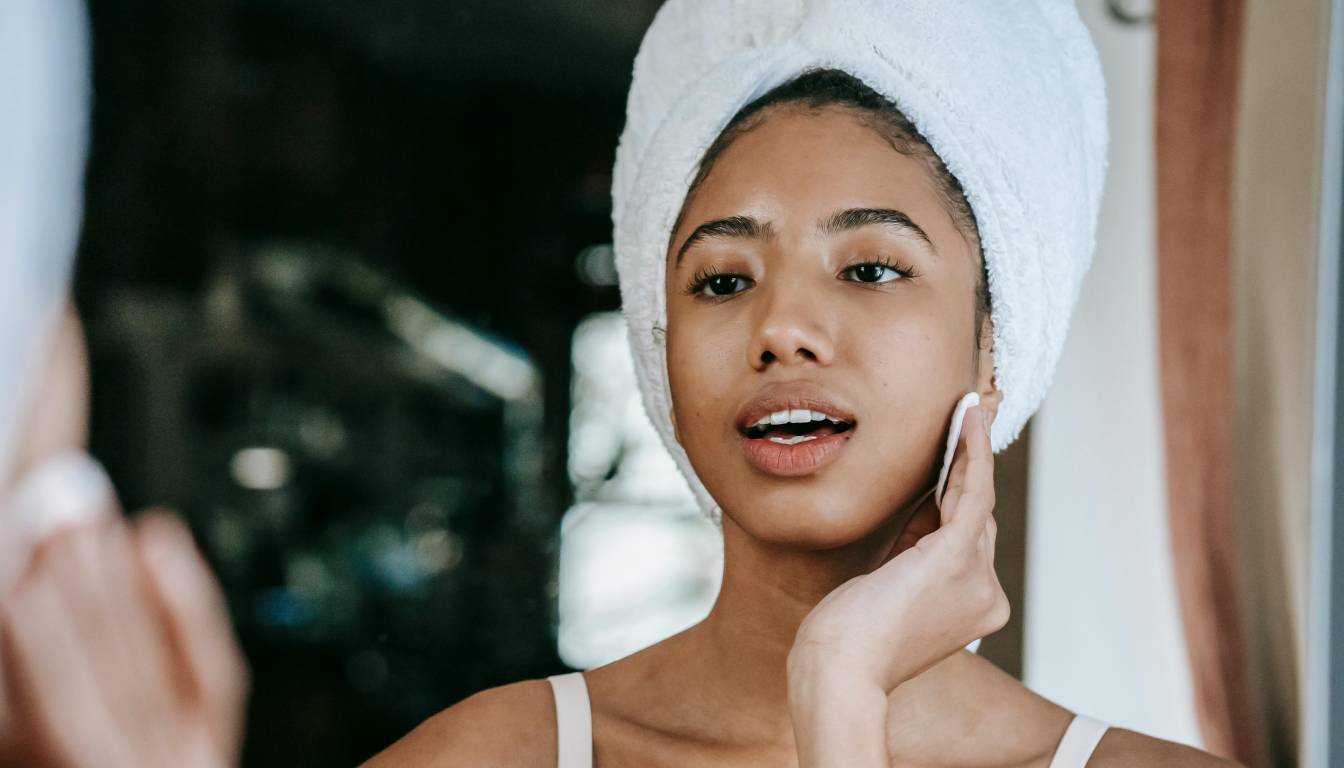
x,y
334,254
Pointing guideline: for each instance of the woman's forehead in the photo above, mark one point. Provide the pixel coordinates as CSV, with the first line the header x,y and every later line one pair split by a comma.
x,y
799,168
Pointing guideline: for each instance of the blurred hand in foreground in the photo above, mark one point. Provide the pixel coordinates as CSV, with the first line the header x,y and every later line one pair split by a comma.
x,y
115,644
116,649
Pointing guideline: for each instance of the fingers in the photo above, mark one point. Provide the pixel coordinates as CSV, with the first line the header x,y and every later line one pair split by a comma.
x,y
98,671
102,594
998,610
969,499
956,478
98,643
64,491
110,605
195,623
58,691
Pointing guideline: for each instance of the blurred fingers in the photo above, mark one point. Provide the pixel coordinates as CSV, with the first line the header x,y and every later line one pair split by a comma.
x,y
103,597
62,491
52,683
195,622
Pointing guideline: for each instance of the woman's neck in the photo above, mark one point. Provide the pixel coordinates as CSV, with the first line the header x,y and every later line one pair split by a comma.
x,y
740,650
722,684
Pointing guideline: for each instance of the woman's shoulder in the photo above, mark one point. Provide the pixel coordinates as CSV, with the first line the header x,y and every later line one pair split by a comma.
x,y
510,724
1015,725
1122,747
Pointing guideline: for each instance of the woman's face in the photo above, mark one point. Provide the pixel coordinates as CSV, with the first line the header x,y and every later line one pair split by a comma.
x,y
816,269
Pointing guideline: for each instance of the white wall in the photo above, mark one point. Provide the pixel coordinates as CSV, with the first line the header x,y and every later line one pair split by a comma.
x,y
1103,634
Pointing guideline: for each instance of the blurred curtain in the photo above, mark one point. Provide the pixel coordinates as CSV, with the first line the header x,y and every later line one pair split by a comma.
x,y
1239,100
1198,45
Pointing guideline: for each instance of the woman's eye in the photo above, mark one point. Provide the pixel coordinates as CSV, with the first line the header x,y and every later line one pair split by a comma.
x,y
874,273
724,285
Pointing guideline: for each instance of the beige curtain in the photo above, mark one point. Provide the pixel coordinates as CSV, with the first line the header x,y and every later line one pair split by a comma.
x,y
1198,44
1240,87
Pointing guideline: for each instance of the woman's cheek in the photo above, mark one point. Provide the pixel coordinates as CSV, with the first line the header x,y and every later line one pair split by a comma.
x,y
706,380
691,377
914,382
914,346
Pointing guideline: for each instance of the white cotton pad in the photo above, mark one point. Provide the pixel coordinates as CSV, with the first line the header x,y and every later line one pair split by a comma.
x,y
954,434
65,490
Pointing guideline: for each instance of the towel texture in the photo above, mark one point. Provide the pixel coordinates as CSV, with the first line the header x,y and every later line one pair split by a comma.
x,y
1009,94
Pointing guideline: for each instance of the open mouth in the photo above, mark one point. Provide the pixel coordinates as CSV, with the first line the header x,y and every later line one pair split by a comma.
x,y
796,426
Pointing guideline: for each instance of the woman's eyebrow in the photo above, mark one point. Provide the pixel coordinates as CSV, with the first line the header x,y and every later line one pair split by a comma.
x,y
854,218
733,226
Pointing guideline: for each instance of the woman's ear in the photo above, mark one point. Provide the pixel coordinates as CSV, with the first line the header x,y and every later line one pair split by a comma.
x,y
989,396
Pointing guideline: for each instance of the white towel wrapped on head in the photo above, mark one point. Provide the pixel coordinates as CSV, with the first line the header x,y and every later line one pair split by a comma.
x,y
1008,93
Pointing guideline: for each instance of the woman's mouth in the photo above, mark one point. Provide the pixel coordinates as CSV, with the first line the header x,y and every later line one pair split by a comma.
x,y
794,442
790,427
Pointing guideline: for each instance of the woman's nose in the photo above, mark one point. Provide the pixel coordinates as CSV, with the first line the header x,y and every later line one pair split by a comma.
x,y
790,329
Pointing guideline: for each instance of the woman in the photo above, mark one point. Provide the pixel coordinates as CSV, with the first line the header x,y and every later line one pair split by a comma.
x,y
832,281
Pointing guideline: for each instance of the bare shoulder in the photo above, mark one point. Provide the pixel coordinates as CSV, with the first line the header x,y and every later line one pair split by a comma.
x,y
1121,747
1012,724
510,725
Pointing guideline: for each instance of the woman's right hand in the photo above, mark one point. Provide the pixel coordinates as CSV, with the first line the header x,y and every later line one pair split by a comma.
x,y
117,651
937,591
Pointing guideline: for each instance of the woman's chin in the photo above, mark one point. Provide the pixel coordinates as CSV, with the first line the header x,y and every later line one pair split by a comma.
x,y
806,519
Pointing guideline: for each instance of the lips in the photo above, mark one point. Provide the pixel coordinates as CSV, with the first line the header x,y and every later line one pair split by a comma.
x,y
794,429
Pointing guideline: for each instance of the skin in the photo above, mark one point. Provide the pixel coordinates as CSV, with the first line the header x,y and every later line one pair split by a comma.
x,y
836,636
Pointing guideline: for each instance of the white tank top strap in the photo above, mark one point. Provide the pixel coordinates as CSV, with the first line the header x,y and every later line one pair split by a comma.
x,y
1080,738
573,720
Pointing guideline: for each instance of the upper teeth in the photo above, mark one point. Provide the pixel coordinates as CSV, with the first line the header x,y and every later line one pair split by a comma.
x,y
794,416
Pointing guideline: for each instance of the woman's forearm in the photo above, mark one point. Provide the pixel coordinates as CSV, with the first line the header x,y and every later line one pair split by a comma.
x,y
838,720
